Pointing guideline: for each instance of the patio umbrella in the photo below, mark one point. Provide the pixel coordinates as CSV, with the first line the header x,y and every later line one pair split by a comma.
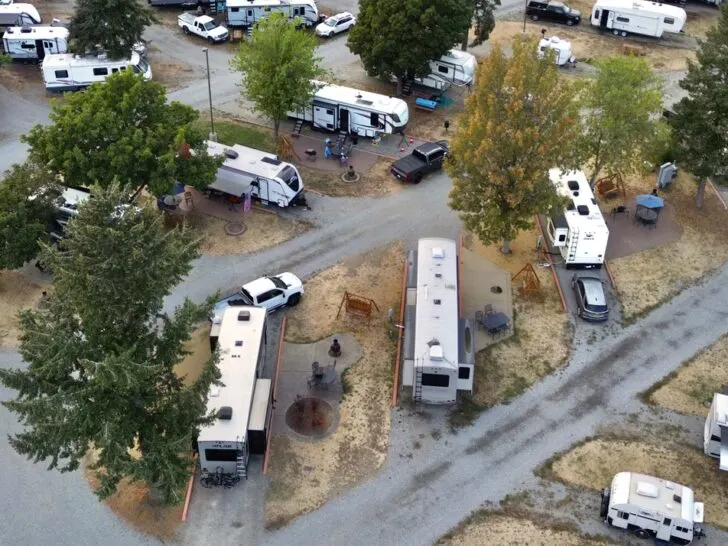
x,y
650,201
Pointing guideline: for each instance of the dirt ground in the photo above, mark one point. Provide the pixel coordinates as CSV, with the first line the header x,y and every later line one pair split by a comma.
x,y
19,289
700,20
542,338
690,389
649,278
303,475
168,72
375,182
588,46
594,464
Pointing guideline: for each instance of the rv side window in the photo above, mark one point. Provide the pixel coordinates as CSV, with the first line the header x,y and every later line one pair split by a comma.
x,y
250,13
623,19
463,373
114,70
61,73
226,455
622,515
682,529
435,380
715,438
234,10
669,21
596,14
374,119
101,71
27,46
442,69
329,112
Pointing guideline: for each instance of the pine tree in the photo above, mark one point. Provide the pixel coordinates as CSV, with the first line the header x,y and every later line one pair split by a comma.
x,y
101,359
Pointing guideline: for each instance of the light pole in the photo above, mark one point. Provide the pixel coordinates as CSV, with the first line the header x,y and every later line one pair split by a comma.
x,y
524,17
213,136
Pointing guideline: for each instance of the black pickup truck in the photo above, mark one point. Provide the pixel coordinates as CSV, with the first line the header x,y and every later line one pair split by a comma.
x,y
424,159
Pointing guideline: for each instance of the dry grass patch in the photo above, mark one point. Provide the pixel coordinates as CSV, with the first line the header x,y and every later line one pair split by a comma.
x,y
374,182
18,291
700,21
303,475
690,389
542,338
199,351
168,72
594,464
588,45
649,278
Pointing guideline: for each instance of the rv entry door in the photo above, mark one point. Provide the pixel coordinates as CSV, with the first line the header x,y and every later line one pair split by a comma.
x,y
260,189
324,116
604,19
344,120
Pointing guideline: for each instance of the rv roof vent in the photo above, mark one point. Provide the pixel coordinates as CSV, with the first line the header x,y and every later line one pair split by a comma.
x,y
271,160
214,392
647,490
583,210
225,413
243,316
238,342
438,302
433,342
232,154
570,206
217,319
573,185
677,499
436,352
438,253
364,102
669,485
438,275
26,29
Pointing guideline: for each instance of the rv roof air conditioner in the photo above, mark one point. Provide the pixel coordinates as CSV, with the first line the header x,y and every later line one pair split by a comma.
x,y
583,210
271,160
438,253
230,154
26,29
436,352
647,490
573,185
225,413
243,316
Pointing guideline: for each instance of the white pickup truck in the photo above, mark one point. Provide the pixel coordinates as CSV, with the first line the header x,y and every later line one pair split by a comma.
x,y
204,26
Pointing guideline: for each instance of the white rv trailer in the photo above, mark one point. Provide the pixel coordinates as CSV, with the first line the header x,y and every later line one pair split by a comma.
x,y
578,231
12,15
651,507
625,17
240,337
457,67
436,361
68,72
338,108
33,43
246,13
561,49
715,434
247,170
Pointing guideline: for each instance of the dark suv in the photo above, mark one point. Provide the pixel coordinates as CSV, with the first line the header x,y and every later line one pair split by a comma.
x,y
553,11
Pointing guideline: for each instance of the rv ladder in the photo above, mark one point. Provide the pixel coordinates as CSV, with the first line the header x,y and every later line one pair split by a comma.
x,y
407,88
573,244
298,127
241,466
418,384
212,10
249,31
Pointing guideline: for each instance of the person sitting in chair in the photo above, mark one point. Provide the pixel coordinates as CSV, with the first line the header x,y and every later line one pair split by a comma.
x,y
335,350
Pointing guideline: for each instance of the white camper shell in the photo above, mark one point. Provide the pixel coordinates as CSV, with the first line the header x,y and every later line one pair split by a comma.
x,y
651,507
33,43
625,17
338,108
715,434
578,231
561,49
240,403
250,171
12,15
68,72
246,13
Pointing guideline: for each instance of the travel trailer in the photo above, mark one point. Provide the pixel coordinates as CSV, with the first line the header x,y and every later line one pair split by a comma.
x,y
625,17
246,13
67,72
262,175
457,67
715,434
12,15
579,230
561,49
338,108
652,508
242,403
438,349
33,43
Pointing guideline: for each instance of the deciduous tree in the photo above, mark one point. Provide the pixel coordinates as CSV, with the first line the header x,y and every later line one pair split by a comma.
x,y
518,123
279,64
124,129
700,123
399,39
622,108
112,26
483,21
101,359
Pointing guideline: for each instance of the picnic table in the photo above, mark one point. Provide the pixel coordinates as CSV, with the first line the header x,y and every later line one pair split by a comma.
x,y
646,216
496,322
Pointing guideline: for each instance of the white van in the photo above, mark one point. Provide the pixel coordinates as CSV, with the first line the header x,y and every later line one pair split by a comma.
x,y
67,72
33,43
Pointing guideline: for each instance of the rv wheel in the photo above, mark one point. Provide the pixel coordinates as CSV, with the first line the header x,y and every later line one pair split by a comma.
x,y
623,34
534,17
616,32
641,533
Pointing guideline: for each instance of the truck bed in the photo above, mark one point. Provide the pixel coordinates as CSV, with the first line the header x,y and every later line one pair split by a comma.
x,y
408,164
187,18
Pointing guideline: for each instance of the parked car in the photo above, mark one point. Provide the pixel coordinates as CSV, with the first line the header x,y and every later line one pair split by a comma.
x,y
336,24
423,160
591,300
552,11
203,26
269,292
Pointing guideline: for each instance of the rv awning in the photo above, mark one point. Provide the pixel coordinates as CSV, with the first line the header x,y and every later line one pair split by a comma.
x,y
724,448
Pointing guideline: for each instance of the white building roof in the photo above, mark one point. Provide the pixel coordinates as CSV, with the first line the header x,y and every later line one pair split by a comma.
x,y
655,495
436,314
36,32
581,196
239,344
638,5
348,95
249,160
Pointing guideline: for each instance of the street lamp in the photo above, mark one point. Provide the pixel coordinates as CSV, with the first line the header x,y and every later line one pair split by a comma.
x,y
213,136
524,17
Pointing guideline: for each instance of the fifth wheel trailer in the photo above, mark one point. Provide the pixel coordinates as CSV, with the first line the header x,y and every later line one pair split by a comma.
x,y
246,13
625,17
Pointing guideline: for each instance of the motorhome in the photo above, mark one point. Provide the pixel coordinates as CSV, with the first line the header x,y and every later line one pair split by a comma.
x,y
263,176
438,350
651,507
68,72
578,230
715,434
625,17
12,15
33,43
561,50
338,108
246,13
242,402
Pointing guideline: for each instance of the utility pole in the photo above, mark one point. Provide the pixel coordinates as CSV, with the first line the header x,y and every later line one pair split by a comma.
x,y
213,135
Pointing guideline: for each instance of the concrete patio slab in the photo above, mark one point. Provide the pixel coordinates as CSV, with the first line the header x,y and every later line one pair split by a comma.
x,y
627,236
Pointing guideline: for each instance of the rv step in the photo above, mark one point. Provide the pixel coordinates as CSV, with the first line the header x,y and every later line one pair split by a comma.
x,y
407,88
298,127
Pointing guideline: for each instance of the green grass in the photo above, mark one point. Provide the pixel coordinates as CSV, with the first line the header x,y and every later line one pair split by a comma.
x,y
232,132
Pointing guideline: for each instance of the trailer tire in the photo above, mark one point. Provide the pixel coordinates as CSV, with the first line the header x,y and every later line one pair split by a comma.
x,y
293,300
642,533
534,17
604,507
624,34
186,30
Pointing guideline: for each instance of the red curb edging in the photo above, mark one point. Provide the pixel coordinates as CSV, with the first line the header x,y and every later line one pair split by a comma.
x,y
275,392
460,262
188,497
609,275
400,335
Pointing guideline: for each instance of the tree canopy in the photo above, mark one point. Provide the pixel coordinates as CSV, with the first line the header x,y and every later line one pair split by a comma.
x,y
622,108
517,124
124,129
113,26
101,359
399,39
484,21
700,123
23,221
279,64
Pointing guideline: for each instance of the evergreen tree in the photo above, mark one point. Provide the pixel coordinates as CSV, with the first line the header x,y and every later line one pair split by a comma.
x,y
101,359
483,21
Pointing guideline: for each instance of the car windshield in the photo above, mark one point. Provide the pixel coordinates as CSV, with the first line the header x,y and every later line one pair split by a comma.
x,y
278,283
290,177
210,25
247,297
141,67
330,22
